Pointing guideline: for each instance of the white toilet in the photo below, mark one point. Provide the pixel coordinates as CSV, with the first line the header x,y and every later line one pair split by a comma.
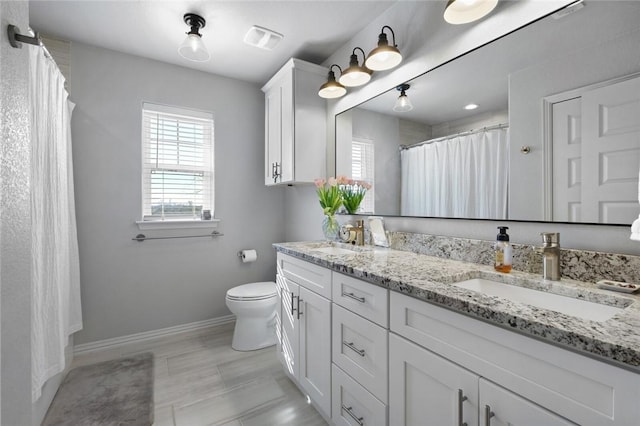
x,y
254,306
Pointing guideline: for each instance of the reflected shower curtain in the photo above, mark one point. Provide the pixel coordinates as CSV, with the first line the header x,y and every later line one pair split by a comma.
x,y
55,279
462,176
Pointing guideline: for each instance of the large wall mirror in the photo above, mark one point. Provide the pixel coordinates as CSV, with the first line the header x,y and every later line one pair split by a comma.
x,y
555,135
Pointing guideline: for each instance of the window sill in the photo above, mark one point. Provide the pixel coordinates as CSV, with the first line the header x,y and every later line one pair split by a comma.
x,y
144,225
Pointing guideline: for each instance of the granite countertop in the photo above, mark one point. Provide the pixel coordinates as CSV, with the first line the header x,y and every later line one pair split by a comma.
x,y
429,278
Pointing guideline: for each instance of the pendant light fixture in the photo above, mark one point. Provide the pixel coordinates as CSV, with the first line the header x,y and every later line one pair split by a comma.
x,y
384,57
193,48
355,75
465,11
332,89
403,104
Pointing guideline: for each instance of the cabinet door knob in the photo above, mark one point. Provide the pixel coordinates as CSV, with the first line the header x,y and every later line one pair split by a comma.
x,y
461,399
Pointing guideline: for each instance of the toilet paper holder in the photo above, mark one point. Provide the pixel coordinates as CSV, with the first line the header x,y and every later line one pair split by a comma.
x,y
248,255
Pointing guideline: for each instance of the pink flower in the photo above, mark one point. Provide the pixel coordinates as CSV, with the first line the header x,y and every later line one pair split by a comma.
x,y
332,181
319,183
342,180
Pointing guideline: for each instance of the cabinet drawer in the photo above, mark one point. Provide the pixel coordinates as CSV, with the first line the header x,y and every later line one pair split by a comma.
x,y
576,387
352,405
361,348
313,277
361,297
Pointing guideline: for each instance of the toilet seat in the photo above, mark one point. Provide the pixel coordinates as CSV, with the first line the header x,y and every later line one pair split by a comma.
x,y
253,291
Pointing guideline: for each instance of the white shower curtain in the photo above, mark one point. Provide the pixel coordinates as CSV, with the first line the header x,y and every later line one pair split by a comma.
x,y
461,176
55,279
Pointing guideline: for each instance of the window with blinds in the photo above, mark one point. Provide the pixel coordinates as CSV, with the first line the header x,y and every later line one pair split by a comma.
x,y
177,163
362,168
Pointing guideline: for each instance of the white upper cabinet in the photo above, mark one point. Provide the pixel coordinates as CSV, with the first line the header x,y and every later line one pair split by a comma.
x,y
295,124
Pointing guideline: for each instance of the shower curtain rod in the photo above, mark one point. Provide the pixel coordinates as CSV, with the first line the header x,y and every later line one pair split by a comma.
x,y
468,132
16,39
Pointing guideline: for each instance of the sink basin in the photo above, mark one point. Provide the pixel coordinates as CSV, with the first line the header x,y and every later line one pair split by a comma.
x,y
334,250
542,299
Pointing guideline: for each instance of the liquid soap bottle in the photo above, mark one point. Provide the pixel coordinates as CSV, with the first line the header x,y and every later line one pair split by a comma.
x,y
503,251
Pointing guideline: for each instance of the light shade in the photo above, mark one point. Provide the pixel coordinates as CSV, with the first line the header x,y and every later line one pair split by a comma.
x,y
465,11
403,104
355,75
384,57
332,89
193,48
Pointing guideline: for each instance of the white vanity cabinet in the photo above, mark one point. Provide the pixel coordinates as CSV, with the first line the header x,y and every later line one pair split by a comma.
x,y
507,378
295,124
304,343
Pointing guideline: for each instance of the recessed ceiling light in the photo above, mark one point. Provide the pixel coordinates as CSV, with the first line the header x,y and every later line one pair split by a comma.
x,y
262,38
470,106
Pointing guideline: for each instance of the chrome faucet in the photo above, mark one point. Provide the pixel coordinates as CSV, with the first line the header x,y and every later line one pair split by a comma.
x,y
550,251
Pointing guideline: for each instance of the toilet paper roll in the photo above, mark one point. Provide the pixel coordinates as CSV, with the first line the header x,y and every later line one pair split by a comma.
x,y
249,256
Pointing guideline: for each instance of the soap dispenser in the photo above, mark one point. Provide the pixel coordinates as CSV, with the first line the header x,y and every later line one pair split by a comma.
x,y
503,251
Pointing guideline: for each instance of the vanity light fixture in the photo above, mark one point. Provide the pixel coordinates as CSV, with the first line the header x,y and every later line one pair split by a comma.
x,y
332,89
384,57
465,11
193,48
469,107
403,104
355,75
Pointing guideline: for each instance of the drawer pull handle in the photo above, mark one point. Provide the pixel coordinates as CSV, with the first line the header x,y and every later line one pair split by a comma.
x,y
461,399
299,311
353,296
487,415
353,348
349,411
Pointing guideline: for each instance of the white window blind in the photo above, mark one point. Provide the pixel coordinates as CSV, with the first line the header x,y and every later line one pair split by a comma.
x,y
177,162
362,168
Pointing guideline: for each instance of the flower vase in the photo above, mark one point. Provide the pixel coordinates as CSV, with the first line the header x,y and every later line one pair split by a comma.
x,y
330,227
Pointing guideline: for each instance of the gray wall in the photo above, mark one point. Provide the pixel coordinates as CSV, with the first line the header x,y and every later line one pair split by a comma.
x,y
15,222
130,287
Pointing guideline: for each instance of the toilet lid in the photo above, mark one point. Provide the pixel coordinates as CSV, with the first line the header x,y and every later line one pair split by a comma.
x,y
253,291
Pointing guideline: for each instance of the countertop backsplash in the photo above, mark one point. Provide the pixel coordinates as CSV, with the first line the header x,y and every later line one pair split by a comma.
x,y
581,265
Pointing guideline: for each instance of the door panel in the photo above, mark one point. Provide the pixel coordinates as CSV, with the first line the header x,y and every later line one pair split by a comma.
x,y
424,388
315,358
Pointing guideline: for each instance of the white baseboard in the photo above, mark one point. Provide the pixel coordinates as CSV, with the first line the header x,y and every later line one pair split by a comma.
x,y
147,335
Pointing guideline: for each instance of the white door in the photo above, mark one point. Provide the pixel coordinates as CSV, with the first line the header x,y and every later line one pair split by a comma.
x,y
425,389
567,160
499,407
596,154
290,326
315,348
611,152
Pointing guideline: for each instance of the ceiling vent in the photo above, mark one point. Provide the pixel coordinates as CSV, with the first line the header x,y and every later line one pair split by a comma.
x,y
262,37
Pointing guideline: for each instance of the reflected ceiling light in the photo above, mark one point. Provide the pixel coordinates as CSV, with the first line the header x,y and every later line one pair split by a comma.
x,y
332,89
384,57
193,48
465,11
403,104
355,75
470,106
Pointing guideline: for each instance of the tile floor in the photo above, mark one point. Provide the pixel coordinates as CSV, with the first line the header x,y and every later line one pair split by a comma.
x,y
200,380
